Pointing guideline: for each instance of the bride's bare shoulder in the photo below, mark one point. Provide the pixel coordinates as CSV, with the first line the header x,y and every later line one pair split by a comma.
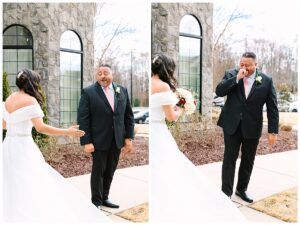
x,y
159,86
31,100
17,100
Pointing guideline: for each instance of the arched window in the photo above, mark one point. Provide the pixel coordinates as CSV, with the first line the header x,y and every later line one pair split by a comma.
x,y
70,77
190,40
17,51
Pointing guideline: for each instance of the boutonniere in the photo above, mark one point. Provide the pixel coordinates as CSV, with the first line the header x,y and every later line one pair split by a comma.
x,y
258,80
117,90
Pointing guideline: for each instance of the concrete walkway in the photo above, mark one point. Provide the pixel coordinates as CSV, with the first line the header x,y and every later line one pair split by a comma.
x,y
272,173
129,188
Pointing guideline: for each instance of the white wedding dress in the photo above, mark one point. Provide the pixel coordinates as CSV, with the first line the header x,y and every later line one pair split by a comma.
x,y
179,192
32,190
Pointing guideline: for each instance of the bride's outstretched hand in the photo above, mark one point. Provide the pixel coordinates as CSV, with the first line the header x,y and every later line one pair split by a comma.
x,y
73,131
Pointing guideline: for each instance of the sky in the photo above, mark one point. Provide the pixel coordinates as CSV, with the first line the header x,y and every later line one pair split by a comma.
x,y
277,21
135,16
273,20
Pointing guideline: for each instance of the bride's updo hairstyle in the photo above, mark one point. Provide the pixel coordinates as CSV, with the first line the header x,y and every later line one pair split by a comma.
x,y
29,81
164,67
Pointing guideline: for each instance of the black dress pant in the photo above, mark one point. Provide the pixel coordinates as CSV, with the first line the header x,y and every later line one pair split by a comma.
x,y
103,169
233,144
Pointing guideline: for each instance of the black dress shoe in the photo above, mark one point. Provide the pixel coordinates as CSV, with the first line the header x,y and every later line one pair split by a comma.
x,y
109,204
243,195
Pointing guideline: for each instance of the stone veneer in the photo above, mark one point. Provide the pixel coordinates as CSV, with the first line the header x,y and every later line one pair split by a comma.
x,y
165,23
47,22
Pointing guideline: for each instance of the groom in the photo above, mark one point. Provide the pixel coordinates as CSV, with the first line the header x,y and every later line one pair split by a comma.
x,y
106,117
247,90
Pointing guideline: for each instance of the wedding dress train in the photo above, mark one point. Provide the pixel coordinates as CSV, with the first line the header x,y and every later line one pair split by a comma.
x,y
32,190
179,192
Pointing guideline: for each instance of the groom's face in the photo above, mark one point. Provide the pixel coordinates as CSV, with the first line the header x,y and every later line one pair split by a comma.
x,y
104,76
248,64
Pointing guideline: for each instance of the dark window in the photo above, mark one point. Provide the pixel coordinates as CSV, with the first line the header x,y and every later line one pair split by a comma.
x,y
17,52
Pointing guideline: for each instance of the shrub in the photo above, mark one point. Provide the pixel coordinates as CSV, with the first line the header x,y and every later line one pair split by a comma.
x,y
5,86
6,93
41,139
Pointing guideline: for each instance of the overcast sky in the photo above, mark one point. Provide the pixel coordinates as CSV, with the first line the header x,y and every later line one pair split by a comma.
x,y
278,20
135,16
274,20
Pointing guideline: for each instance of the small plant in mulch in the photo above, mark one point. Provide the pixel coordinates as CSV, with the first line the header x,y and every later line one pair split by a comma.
x,y
286,127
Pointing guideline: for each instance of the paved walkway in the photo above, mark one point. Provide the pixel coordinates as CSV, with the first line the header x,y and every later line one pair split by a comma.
x,y
129,188
272,173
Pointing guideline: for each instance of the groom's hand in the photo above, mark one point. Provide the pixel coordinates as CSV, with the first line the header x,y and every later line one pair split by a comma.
x,y
89,148
241,74
127,148
272,139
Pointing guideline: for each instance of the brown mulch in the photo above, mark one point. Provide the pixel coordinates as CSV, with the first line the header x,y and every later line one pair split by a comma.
x,y
203,147
71,160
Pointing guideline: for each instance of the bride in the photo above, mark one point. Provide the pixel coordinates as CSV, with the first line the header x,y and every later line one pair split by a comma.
x,y
179,192
32,190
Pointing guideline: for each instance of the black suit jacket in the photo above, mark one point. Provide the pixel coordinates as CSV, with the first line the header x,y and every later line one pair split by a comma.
x,y
100,122
249,110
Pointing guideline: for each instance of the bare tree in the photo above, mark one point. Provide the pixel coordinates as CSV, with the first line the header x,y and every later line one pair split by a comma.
x,y
278,61
126,64
223,56
222,22
109,33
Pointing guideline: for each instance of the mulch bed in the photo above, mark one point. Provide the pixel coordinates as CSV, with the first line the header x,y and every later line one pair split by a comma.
x,y
203,147
71,160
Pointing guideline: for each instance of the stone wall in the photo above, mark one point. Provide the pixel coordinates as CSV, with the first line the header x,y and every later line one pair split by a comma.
x,y
47,22
165,23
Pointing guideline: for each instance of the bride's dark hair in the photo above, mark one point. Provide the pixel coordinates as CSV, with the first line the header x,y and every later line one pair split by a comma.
x,y
29,81
164,66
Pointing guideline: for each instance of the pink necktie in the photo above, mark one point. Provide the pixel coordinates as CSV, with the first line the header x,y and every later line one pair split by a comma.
x,y
246,86
109,97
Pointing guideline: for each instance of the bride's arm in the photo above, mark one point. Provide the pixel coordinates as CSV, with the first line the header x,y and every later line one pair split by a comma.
x,y
3,124
172,113
41,127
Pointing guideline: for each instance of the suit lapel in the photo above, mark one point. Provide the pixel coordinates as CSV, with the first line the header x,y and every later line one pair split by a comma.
x,y
252,89
242,89
254,85
102,94
116,96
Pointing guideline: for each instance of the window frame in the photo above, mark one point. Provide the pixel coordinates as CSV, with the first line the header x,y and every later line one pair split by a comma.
x,y
18,47
73,51
200,38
